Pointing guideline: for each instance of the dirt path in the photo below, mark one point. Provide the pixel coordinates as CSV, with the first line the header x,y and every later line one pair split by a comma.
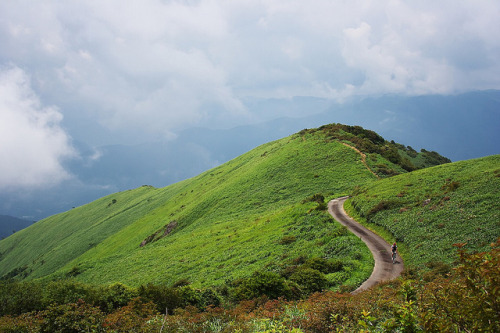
x,y
363,158
384,269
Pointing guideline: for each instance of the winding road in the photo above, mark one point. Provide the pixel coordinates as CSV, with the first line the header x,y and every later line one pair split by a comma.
x,y
384,269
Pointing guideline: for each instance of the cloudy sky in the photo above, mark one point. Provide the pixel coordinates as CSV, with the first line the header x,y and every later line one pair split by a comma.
x,y
103,72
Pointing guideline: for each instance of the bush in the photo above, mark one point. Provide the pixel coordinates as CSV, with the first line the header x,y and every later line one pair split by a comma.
x,y
112,297
209,298
181,283
163,296
468,301
287,240
74,317
67,291
318,197
309,280
135,317
382,205
269,284
27,322
20,297
321,206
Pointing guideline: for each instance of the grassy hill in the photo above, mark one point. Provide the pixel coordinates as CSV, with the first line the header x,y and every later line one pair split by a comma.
x,y
256,226
429,210
256,212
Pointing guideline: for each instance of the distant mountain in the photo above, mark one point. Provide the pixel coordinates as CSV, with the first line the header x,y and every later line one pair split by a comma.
x,y
10,225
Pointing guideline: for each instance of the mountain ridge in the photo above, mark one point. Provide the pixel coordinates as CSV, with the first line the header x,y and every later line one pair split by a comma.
x,y
248,214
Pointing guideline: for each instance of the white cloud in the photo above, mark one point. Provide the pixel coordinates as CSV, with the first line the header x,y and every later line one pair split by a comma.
x,y
157,66
32,143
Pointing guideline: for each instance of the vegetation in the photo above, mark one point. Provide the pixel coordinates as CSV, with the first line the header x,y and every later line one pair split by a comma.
x,y
250,214
249,247
404,305
429,210
370,143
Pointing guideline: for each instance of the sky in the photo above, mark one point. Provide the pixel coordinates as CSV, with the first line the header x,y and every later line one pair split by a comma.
x,y
111,72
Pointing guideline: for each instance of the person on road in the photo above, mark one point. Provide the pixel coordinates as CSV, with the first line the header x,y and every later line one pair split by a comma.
x,y
394,249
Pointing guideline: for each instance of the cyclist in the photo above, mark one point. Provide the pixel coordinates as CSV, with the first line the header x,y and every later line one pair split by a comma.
x,y
394,249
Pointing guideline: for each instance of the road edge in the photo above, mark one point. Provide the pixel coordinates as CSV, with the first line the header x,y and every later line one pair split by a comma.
x,y
384,269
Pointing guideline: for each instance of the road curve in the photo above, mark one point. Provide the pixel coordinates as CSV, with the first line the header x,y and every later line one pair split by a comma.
x,y
384,269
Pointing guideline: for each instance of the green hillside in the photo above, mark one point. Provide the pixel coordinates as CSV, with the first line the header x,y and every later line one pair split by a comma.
x,y
429,210
255,241
249,214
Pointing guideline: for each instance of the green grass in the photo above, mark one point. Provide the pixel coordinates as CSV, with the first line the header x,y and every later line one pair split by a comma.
x,y
251,214
429,210
230,219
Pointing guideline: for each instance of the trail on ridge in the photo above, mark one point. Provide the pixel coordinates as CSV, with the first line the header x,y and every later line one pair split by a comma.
x,y
363,158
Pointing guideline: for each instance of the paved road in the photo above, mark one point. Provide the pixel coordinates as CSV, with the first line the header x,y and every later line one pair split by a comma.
x,y
384,269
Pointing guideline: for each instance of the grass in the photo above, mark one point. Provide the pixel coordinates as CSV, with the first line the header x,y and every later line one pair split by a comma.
x,y
253,213
230,221
429,210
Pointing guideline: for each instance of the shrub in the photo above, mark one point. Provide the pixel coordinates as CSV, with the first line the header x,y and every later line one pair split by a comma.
x,y
74,272
200,298
269,284
321,206
309,280
112,297
181,283
209,298
135,317
450,186
318,197
287,240
73,317
468,301
20,297
27,322
163,296
382,205
66,291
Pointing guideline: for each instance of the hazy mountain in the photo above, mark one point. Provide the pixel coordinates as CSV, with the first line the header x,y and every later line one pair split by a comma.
x,y
10,225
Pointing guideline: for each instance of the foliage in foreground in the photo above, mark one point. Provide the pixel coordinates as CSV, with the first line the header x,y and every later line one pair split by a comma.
x,y
406,305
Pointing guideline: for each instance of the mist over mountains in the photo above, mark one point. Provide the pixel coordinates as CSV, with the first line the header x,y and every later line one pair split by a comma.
x,y
10,225
459,127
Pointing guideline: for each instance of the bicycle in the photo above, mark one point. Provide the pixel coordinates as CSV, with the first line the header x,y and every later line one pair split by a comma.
x,y
394,249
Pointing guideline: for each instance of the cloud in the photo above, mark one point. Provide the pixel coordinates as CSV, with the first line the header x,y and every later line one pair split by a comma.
x,y
32,143
158,66
400,53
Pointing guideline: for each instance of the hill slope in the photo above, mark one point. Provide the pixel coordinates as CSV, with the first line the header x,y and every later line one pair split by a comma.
x,y
429,210
251,213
